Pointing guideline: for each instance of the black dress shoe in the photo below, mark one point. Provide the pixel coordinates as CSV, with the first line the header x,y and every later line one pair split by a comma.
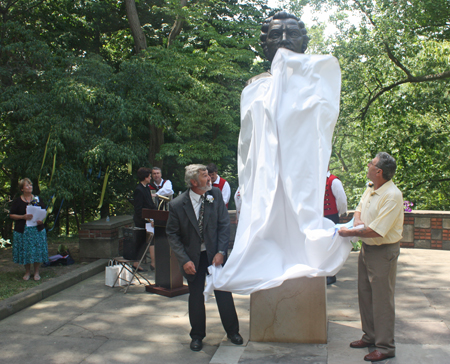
x,y
196,344
236,339
331,280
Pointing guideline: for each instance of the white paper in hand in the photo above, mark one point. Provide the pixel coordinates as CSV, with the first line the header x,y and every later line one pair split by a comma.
x,y
38,214
149,227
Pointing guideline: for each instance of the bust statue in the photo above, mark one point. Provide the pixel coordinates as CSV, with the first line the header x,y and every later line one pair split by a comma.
x,y
283,30
287,121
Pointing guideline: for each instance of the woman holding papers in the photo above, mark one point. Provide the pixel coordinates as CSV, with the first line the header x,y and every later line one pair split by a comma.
x,y
30,238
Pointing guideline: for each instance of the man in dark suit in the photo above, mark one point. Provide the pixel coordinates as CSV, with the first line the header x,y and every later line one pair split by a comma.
x,y
198,231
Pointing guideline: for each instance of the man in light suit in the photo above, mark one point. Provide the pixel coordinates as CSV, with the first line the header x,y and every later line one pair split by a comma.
x,y
198,231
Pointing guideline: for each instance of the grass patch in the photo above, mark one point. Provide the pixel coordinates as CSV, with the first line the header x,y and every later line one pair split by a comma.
x,y
11,274
12,282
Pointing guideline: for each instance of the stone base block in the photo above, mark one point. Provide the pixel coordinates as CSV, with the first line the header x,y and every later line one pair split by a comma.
x,y
93,249
295,312
100,239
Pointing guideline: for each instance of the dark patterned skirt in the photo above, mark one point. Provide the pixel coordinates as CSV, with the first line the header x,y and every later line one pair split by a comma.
x,y
30,246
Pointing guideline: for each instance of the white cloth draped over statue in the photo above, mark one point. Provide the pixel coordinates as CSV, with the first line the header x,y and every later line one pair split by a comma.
x,y
287,123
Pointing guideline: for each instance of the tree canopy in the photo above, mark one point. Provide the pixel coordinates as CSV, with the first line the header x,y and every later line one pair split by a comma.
x,y
92,90
76,90
395,81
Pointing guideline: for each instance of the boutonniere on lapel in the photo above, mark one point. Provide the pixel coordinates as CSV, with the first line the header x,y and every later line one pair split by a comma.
x,y
209,198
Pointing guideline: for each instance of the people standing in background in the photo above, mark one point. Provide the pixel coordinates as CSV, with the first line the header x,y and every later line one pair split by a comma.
x,y
29,242
335,202
334,205
219,182
159,186
143,200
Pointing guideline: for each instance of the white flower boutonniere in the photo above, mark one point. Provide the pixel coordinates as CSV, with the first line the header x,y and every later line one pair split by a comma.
x,y
209,198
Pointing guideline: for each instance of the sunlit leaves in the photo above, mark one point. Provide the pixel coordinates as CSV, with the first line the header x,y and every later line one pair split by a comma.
x,y
394,43
68,70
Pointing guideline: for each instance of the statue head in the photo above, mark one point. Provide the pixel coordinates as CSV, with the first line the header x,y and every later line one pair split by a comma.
x,y
283,30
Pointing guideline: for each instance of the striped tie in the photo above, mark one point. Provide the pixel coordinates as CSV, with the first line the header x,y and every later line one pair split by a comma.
x,y
200,216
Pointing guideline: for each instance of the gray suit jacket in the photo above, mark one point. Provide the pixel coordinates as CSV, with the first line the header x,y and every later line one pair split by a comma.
x,y
183,233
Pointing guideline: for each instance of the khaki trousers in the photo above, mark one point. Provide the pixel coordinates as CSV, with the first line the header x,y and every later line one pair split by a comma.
x,y
377,270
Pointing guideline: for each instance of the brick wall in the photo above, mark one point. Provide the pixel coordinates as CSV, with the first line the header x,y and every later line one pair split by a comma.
x,y
101,238
86,233
423,229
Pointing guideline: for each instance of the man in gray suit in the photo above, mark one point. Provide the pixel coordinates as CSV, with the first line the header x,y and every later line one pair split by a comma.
x,y
198,231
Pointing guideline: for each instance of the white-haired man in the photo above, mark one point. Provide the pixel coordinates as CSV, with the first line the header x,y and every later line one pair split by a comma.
x,y
198,231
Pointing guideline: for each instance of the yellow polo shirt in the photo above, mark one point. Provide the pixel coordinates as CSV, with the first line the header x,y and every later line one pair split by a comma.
x,y
382,211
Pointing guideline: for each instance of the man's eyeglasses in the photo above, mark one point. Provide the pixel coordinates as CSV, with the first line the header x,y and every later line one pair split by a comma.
x,y
373,164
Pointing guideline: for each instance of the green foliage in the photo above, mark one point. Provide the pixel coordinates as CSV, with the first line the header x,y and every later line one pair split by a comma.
x,y
356,246
394,98
69,76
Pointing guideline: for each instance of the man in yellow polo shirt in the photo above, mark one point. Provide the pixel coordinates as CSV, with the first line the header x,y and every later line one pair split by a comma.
x,y
378,221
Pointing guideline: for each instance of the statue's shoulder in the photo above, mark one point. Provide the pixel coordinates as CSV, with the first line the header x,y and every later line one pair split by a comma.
x,y
258,77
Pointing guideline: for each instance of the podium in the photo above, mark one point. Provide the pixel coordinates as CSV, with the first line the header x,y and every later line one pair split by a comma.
x,y
168,277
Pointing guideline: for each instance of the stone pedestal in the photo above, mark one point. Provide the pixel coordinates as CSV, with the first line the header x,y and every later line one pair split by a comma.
x,y
295,312
100,239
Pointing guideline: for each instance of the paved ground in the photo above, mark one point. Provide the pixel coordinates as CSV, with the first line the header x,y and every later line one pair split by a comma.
x,y
92,323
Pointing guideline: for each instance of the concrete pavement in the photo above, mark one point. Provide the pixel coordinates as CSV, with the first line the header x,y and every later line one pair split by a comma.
x,y
36,294
92,323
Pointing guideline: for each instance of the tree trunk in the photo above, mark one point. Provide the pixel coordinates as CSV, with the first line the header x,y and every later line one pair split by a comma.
x,y
67,222
82,208
176,29
104,210
76,216
140,42
156,140
58,225
14,187
36,188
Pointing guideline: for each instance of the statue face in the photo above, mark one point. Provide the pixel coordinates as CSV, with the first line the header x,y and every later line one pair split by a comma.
x,y
283,33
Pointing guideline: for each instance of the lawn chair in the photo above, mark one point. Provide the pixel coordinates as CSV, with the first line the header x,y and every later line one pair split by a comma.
x,y
127,264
